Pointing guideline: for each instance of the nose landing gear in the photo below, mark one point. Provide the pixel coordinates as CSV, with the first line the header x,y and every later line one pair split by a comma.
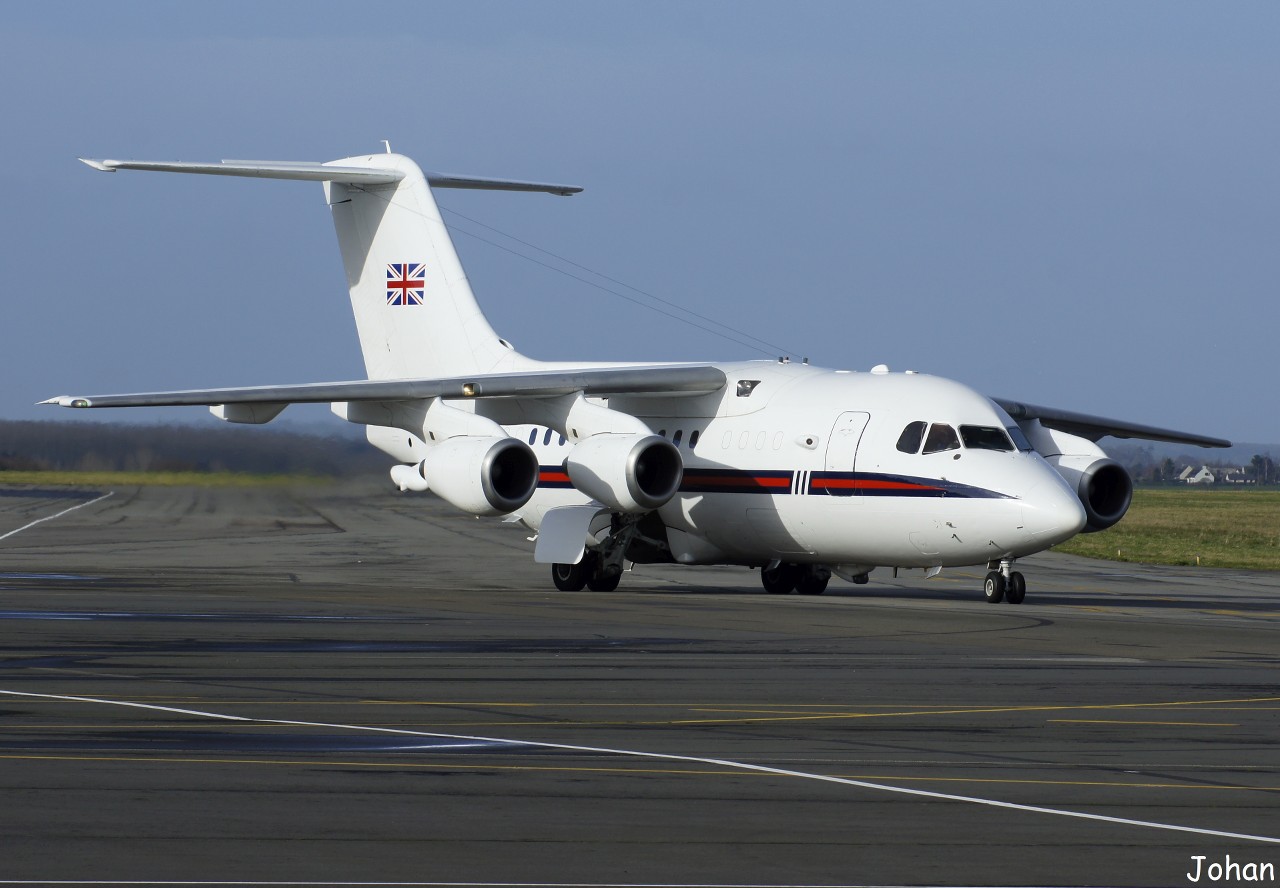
x,y
1004,583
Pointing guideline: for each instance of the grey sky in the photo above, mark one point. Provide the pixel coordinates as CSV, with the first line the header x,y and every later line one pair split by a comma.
x,y
1073,204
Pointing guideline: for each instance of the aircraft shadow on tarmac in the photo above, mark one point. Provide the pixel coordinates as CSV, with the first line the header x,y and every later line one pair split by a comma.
x,y
1222,599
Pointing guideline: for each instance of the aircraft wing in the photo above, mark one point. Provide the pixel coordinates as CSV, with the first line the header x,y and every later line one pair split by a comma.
x,y
666,380
1095,427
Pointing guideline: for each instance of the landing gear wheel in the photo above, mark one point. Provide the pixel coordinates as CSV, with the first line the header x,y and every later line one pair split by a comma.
x,y
993,588
570,577
813,582
600,582
1016,589
781,580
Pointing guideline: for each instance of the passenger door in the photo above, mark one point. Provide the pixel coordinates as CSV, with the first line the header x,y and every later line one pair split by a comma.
x,y
842,445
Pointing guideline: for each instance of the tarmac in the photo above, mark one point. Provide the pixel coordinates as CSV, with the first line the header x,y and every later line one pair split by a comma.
x,y
341,684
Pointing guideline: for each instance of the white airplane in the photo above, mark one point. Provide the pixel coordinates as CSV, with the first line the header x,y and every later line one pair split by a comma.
x,y
800,471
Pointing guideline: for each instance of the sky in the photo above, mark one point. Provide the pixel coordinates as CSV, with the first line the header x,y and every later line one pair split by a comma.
x,y
1071,204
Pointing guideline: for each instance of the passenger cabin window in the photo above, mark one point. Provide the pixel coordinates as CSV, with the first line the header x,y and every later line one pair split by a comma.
x,y
533,435
546,439
675,439
693,439
985,438
941,437
912,435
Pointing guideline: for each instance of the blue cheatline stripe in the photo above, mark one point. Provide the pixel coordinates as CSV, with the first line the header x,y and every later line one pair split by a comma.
x,y
877,484
784,483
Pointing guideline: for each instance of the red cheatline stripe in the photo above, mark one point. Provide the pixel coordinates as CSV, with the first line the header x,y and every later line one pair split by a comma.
x,y
737,481
560,477
865,484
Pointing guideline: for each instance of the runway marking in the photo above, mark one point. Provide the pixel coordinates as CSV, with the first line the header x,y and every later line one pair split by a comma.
x,y
1120,721
584,769
802,716
58,515
232,884
673,757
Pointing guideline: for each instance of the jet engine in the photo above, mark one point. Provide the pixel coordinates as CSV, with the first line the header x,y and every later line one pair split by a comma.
x,y
483,476
626,472
1104,487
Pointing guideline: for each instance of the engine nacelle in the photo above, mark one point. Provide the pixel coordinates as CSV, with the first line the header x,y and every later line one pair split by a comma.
x,y
628,473
1104,487
483,476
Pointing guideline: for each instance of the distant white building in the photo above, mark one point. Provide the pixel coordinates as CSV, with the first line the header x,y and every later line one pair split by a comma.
x,y
1192,475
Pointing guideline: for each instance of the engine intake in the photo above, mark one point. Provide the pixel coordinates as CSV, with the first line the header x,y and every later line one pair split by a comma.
x,y
1104,487
483,476
628,473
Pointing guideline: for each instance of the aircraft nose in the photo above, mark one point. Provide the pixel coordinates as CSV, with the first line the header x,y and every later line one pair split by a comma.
x,y
1051,512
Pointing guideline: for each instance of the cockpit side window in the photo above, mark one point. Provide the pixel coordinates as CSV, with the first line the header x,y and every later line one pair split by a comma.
x,y
909,440
941,437
1019,439
985,438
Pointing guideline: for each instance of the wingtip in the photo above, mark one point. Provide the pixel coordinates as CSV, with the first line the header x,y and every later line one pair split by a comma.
x,y
65,401
103,165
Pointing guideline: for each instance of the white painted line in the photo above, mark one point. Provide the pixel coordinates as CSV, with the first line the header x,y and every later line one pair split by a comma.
x,y
722,763
215,715
59,515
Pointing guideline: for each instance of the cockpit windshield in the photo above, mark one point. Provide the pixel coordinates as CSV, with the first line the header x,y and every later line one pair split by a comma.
x,y
985,438
942,437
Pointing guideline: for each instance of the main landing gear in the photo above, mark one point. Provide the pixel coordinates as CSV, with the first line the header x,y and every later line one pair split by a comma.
x,y
590,573
1004,583
783,579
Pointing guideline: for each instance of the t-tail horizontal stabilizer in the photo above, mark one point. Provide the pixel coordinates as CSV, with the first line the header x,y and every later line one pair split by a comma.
x,y
327,172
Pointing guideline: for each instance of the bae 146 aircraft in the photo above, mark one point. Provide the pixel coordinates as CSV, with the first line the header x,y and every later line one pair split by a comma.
x,y
800,471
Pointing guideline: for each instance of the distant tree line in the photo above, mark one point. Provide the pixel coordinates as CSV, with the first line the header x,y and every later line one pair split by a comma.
x,y
87,446
1143,465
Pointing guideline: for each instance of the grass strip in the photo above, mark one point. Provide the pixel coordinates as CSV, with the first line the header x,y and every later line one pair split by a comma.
x,y
1190,526
157,479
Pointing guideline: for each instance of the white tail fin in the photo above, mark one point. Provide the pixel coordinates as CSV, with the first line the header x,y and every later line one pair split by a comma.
x,y
414,310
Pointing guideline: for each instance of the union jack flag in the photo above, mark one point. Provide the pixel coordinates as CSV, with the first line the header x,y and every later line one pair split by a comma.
x,y
406,283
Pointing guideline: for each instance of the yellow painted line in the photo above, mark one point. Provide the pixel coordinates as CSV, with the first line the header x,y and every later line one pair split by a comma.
x,y
801,715
1118,721
987,711
692,707
695,772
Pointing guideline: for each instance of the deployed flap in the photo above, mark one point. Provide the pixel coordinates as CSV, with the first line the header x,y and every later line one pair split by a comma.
x,y
1095,427
562,537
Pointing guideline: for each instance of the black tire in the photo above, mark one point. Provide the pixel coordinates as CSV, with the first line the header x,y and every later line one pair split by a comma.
x,y
813,582
781,580
1016,589
993,587
600,582
570,577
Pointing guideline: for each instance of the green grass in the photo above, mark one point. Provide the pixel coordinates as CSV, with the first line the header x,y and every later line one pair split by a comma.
x,y
157,479
1190,526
